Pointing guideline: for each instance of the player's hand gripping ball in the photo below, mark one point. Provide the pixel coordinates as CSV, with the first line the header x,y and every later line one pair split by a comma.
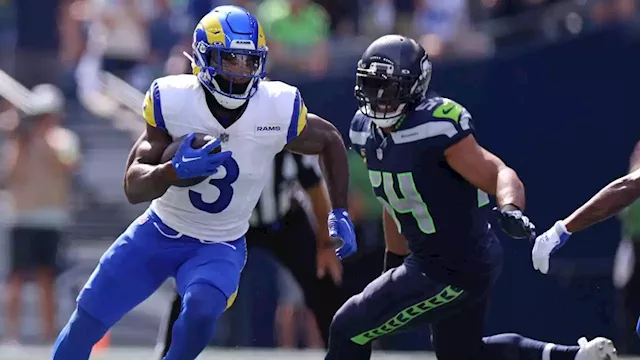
x,y
342,233
195,157
548,243
514,223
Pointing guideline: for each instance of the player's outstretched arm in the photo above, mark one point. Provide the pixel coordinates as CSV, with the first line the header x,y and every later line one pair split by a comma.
x,y
607,202
145,178
489,173
319,137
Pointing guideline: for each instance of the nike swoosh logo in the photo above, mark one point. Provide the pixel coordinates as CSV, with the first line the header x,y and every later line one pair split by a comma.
x,y
184,159
346,223
446,111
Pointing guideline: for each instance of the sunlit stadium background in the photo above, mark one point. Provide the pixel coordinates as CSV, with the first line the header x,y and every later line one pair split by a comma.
x,y
552,85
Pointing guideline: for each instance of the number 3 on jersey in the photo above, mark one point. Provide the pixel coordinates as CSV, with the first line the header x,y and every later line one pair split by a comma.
x,y
224,187
411,202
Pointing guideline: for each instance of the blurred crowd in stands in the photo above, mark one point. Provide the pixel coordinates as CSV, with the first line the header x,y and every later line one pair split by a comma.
x,y
141,39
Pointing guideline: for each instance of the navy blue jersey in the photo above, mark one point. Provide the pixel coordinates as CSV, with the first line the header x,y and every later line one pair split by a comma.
x,y
443,217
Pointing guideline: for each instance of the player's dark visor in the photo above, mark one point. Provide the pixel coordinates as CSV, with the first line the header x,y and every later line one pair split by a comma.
x,y
382,94
235,68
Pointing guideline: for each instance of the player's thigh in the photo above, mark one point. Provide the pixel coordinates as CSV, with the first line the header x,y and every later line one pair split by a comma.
x,y
458,336
129,271
399,299
218,265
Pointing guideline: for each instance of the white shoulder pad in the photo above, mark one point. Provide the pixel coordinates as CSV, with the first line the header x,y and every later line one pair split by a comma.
x,y
164,100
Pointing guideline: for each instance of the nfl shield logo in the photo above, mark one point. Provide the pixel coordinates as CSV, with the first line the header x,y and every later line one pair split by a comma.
x,y
379,153
224,137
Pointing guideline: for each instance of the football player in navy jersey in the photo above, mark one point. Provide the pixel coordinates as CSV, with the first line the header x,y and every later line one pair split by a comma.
x,y
443,258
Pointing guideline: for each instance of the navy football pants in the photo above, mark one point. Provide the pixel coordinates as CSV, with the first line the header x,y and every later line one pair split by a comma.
x,y
405,297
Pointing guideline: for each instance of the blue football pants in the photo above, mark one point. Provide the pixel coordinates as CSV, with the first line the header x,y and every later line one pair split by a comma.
x,y
137,263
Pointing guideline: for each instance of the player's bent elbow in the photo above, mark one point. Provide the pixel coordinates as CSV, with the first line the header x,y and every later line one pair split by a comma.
x,y
632,186
133,200
134,197
333,136
135,193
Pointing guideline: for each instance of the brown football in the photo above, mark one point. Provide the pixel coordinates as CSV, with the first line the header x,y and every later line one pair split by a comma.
x,y
199,141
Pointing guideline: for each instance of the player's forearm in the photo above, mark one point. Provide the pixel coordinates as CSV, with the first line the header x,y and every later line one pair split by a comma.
x,y
335,167
321,207
145,182
606,203
509,188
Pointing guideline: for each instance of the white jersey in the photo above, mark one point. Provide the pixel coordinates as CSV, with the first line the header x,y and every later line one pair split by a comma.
x,y
218,209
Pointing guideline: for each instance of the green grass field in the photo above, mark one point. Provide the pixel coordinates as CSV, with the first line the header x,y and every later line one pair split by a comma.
x,y
146,354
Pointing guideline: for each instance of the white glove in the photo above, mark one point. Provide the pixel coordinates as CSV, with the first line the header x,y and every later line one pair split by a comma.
x,y
546,244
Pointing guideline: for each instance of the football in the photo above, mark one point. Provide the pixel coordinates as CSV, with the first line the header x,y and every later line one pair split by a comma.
x,y
199,141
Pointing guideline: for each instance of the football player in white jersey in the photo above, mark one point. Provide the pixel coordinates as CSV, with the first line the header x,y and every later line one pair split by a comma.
x,y
196,233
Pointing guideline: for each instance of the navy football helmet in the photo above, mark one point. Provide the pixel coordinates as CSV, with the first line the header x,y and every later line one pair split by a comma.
x,y
392,76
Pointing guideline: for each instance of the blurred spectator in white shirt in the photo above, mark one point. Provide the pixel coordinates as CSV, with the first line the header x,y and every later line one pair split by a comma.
x,y
40,161
119,36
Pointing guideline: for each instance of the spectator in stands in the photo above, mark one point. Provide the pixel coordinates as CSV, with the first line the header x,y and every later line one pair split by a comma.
x,y
297,33
42,157
165,30
445,29
439,23
119,34
626,271
38,40
343,15
391,16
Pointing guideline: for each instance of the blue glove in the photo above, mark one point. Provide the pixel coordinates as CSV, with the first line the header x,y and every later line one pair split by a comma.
x,y
638,327
548,243
191,163
514,223
342,234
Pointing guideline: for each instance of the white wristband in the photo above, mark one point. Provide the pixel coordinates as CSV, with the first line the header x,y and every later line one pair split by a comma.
x,y
561,228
